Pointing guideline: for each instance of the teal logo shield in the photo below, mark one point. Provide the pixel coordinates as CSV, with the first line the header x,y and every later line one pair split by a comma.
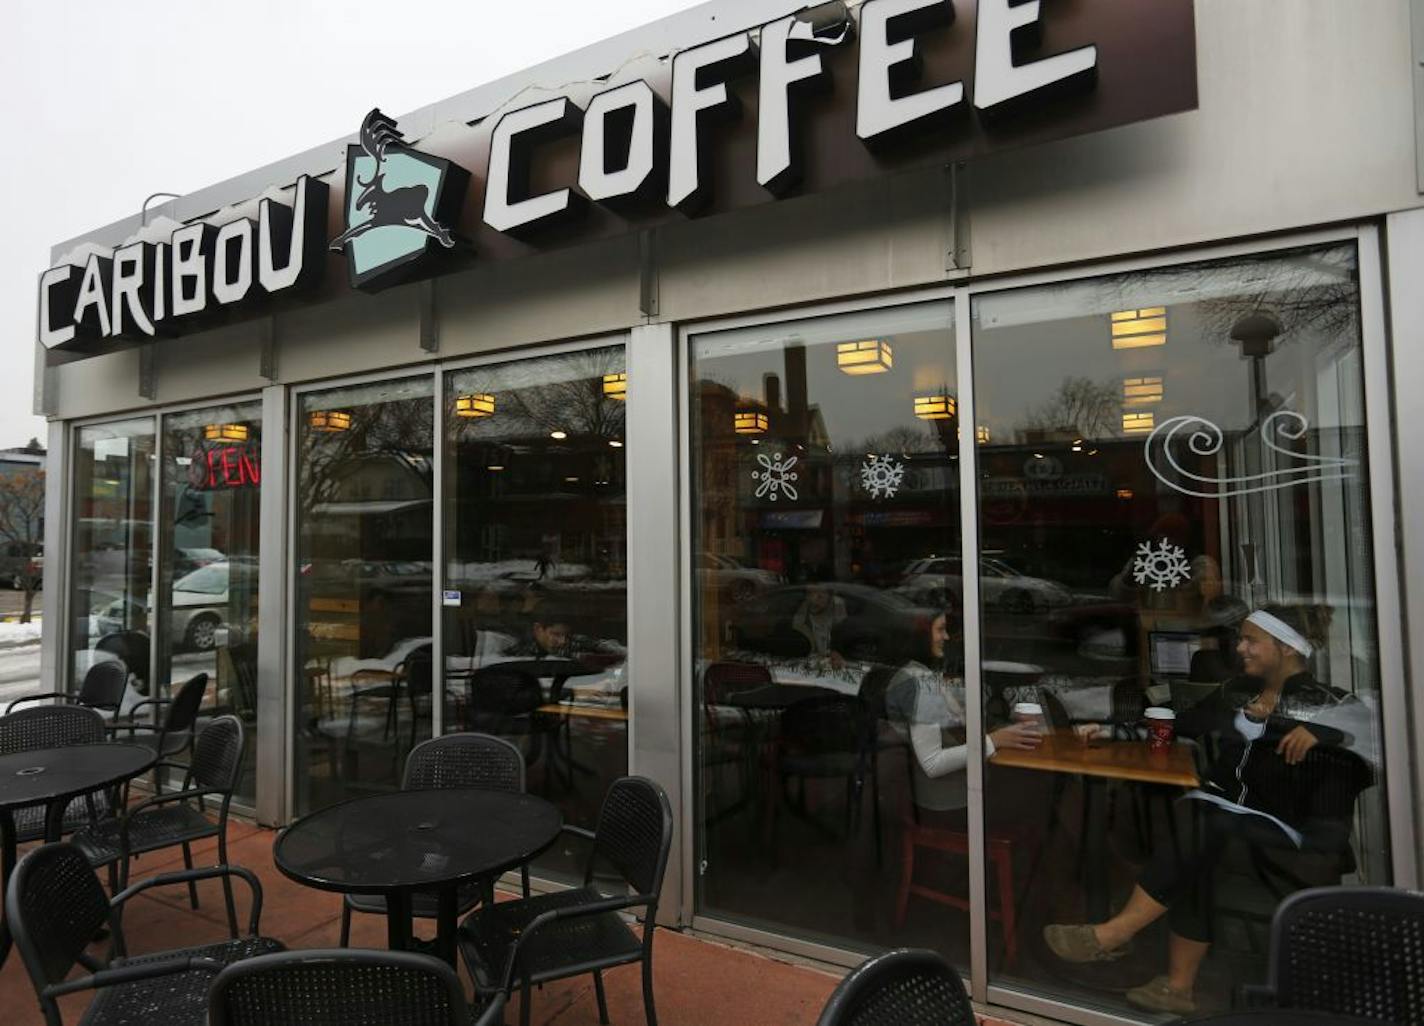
x,y
401,206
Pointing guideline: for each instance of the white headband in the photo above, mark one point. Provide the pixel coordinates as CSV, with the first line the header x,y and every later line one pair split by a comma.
x,y
1281,631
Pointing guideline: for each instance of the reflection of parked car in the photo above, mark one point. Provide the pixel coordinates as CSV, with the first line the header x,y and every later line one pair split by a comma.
x,y
878,625
200,605
940,579
186,560
726,574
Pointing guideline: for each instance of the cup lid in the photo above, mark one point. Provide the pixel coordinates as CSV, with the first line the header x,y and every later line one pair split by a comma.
x,y
1028,708
1156,712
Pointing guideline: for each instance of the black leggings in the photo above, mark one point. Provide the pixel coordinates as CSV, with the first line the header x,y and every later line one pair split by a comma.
x,y
1183,880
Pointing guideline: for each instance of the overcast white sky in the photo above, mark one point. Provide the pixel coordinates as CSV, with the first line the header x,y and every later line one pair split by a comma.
x,y
107,102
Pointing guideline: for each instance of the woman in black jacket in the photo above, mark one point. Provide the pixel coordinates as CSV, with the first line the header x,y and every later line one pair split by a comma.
x,y
1280,777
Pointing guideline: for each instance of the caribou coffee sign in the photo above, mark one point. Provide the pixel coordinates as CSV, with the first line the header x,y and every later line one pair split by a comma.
x,y
801,104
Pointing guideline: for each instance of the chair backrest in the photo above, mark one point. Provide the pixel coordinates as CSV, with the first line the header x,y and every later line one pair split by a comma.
x,y
341,987
824,725
465,760
217,754
104,685
1355,951
497,693
183,710
722,680
907,987
54,906
873,688
634,834
419,668
50,726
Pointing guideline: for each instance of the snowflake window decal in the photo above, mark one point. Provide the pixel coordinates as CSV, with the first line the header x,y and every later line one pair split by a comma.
x,y
1163,566
776,476
881,476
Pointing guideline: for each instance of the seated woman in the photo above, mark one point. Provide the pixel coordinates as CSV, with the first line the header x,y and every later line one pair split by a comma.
x,y
929,705
1280,779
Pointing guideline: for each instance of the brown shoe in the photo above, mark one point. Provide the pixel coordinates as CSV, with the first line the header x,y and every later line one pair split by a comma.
x,y
1078,942
1157,996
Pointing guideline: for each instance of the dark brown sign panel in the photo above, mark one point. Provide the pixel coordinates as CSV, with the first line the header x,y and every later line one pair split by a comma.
x,y
802,104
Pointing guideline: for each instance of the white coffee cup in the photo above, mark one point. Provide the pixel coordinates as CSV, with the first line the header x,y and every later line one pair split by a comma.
x,y
1161,728
1030,713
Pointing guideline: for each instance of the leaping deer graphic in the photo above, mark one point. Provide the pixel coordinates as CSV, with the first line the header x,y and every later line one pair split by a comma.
x,y
403,207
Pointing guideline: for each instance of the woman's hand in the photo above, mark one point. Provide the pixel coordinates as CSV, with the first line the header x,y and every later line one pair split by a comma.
x,y
1295,745
1091,731
1021,736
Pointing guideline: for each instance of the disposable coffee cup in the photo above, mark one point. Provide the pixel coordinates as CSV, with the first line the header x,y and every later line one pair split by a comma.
x,y
1161,728
1030,713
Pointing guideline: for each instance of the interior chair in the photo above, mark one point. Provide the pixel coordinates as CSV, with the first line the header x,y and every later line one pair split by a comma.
x,y
242,694
133,650
54,907
55,726
343,988
825,738
916,837
171,736
454,760
103,688
729,737
1348,951
502,702
576,931
906,987
178,817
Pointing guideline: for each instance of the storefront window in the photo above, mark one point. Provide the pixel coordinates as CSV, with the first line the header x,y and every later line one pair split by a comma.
x,y
207,595
363,619
535,595
112,550
1177,583
830,715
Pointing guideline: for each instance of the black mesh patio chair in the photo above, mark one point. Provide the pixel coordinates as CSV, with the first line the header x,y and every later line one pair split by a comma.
x,y
343,988
455,760
54,726
827,737
503,702
577,931
55,905
907,987
174,734
1350,951
102,688
178,817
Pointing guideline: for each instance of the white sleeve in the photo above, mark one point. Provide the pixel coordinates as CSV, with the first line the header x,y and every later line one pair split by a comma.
x,y
935,759
1247,727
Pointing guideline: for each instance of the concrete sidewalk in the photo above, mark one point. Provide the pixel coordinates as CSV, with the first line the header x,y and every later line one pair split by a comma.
x,y
698,982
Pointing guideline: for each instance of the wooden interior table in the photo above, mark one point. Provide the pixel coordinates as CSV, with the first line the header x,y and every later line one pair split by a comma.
x,y
1097,762
1063,752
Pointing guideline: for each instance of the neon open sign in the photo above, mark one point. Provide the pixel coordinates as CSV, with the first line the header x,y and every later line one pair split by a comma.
x,y
224,467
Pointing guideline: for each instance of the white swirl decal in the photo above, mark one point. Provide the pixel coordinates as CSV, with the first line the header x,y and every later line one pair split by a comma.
x,y
1203,438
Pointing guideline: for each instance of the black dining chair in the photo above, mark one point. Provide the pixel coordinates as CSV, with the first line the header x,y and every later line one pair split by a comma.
x,y
454,760
906,987
132,649
827,738
55,726
504,702
576,931
177,818
1355,951
55,906
343,988
173,735
103,688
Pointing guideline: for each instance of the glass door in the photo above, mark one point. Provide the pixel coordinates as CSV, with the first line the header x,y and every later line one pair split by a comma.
x,y
363,548
830,739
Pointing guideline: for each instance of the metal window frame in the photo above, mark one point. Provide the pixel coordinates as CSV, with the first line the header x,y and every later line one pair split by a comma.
x,y
1385,523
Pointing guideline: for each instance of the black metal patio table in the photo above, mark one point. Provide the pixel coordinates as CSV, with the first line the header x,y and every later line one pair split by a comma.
x,y
407,841
53,777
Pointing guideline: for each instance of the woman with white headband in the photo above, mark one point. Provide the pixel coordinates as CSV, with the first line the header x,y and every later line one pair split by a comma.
x,y
1280,780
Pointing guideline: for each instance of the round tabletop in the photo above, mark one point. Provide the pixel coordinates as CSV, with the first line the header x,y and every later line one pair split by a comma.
x,y
46,774
776,696
416,840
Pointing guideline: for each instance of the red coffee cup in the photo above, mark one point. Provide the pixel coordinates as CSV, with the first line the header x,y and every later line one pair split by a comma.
x,y
1161,728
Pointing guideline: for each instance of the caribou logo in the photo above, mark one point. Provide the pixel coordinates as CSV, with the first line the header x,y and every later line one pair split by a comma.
x,y
400,205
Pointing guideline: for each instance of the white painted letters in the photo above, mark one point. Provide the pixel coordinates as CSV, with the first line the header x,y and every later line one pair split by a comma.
x,y
518,132
888,68
693,105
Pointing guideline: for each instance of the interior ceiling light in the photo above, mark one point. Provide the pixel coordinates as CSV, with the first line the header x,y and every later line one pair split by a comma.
x,y
474,404
749,422
329,420
935,407
615,386
226,432
1141,391
1136,423
558,436
872,356
1139,329
615,443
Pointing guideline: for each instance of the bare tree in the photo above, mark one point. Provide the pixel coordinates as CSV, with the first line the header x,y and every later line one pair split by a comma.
x,y
22,499
1081,407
